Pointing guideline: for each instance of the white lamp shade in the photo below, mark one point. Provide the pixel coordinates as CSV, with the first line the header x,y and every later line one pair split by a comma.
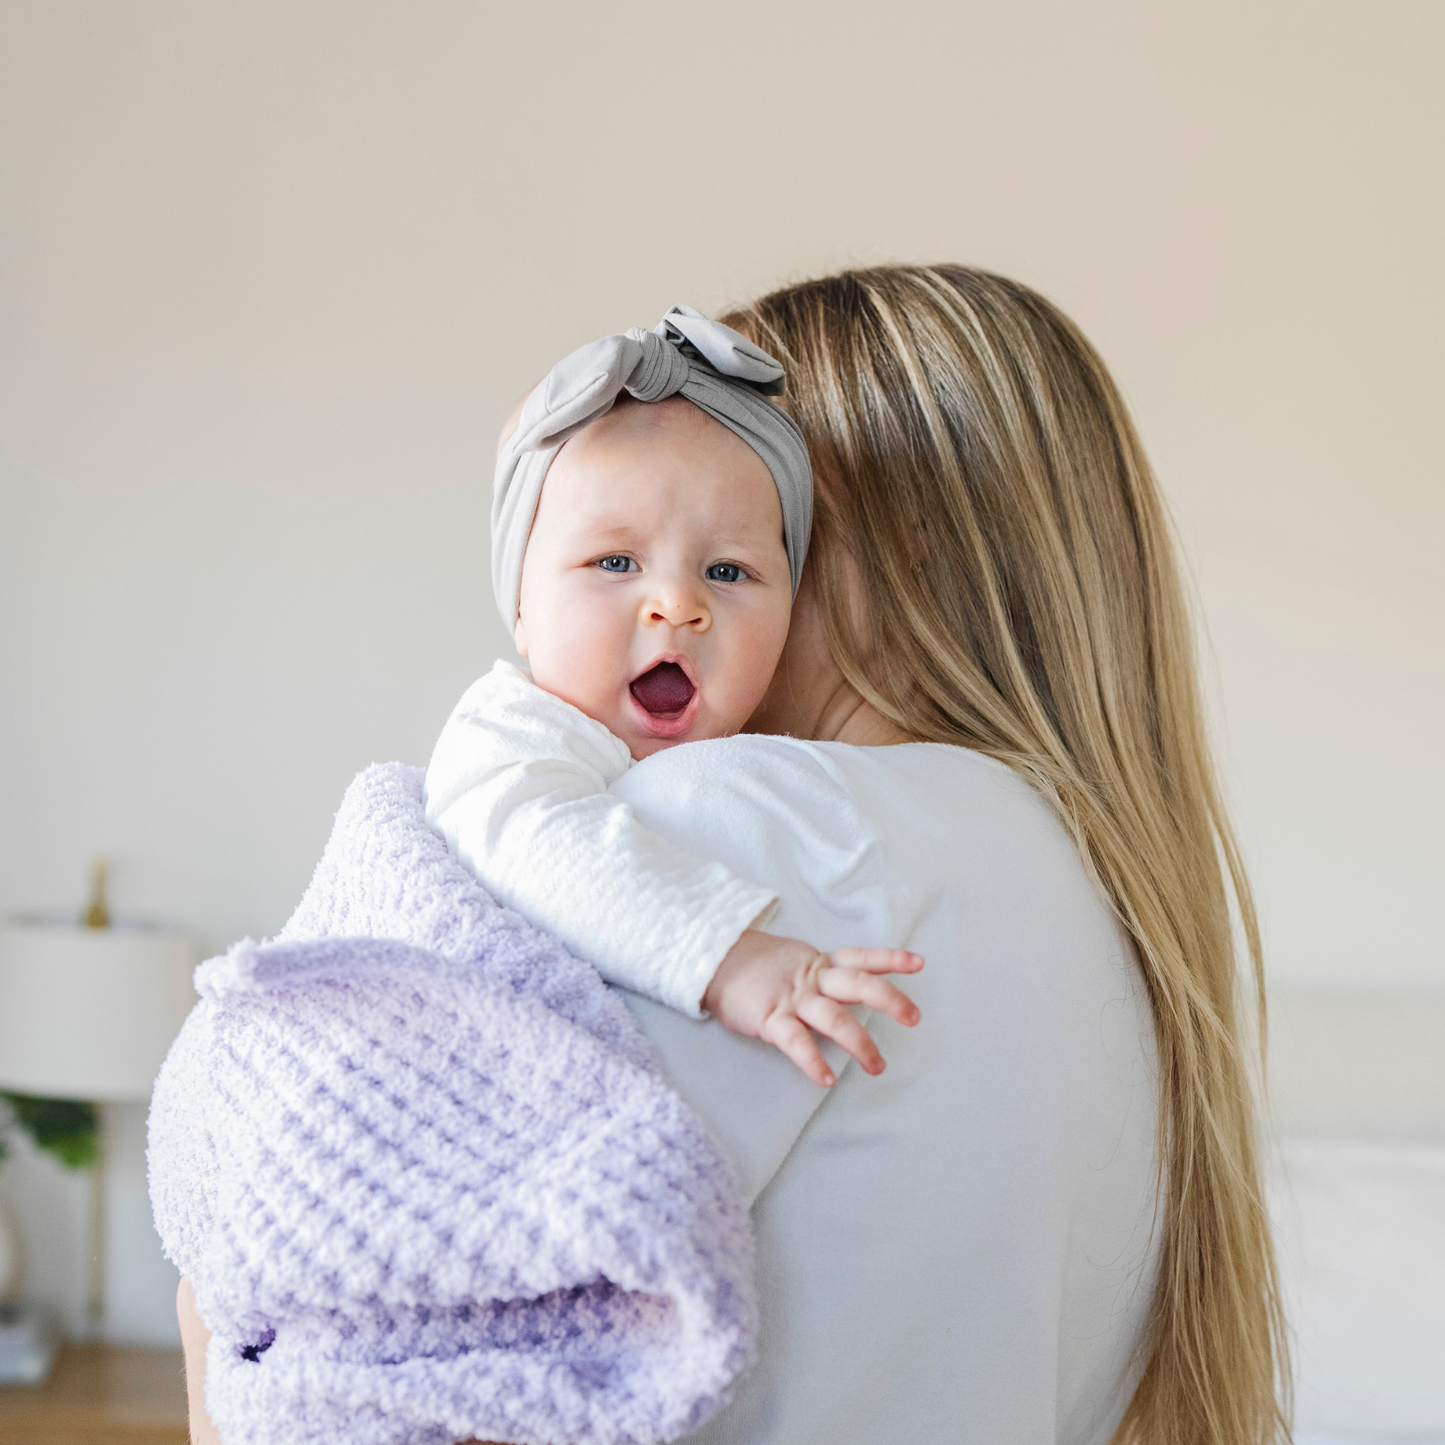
x,y
89,1013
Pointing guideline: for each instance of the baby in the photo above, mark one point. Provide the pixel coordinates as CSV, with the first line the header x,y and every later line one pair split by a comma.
x,y
649,585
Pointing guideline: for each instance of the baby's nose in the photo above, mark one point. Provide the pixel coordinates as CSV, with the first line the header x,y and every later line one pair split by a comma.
x,y
677,607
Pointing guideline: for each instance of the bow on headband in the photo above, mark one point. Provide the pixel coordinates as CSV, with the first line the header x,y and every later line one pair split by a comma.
x,y
688,355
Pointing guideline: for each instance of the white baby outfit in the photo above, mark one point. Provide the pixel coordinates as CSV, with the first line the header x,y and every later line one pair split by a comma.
x,y
518,786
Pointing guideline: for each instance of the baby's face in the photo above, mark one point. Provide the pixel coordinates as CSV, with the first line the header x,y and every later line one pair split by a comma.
x,y
655,589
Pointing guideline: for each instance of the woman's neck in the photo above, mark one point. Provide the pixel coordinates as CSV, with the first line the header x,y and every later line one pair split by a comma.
x,y
809,697
844,717
816,702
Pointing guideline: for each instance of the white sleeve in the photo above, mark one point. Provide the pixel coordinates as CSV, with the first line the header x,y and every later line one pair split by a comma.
x,y
518,787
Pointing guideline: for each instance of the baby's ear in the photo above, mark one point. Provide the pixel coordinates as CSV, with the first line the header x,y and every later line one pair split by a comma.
x,y
519,636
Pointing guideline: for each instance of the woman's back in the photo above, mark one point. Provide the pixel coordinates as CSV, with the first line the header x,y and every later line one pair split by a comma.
x,y
961,1249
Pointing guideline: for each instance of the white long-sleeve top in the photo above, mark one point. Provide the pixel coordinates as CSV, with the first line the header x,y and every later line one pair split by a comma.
x,y
963,1250
518,785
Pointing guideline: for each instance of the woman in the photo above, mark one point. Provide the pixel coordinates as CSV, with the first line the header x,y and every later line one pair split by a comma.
x,y
1044,1223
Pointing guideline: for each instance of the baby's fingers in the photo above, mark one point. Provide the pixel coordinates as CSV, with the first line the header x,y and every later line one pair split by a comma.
x,y
833,1021
877,960
851,985
784,1032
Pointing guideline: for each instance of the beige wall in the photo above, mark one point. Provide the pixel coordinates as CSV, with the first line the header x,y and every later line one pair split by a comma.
x,y
270,274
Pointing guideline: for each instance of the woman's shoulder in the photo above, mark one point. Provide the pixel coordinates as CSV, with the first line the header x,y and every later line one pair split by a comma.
x,y
927,793
898,824
797,765
747,785
776,810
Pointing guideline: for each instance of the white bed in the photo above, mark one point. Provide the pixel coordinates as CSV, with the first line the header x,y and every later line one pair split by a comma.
x,y
1358,1194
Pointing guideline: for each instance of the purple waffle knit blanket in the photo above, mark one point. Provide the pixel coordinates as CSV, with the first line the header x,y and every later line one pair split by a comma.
x,y
429,1182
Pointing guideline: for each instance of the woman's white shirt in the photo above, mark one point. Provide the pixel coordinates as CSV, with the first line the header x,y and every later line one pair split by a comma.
x,y
962,1250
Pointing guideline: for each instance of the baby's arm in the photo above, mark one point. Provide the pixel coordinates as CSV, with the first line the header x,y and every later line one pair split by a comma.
x,y
518,787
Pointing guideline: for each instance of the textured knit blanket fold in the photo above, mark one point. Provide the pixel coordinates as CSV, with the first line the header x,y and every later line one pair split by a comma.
x,y
429,1182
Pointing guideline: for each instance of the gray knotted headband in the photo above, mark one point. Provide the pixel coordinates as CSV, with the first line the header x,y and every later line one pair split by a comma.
x,y
687,355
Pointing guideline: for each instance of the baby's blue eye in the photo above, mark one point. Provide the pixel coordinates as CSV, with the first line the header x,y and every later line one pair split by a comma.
x,y
615,564
725,572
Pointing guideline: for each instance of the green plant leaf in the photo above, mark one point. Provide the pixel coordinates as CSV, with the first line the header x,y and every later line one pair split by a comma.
x,y
65,1128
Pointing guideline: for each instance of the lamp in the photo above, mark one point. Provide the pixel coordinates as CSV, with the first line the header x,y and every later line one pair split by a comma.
x,y
89,1012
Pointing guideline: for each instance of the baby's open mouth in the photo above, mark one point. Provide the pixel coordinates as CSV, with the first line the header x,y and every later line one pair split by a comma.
x,y
664,690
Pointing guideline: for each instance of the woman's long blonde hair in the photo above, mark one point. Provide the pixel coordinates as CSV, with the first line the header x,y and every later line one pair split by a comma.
x,y
979,475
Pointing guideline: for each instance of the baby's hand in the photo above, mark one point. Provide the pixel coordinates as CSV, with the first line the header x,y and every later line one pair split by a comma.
x,y
778,989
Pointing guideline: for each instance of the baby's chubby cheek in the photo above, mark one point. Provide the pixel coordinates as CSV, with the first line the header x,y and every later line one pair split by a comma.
x,y
584,661
734,686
